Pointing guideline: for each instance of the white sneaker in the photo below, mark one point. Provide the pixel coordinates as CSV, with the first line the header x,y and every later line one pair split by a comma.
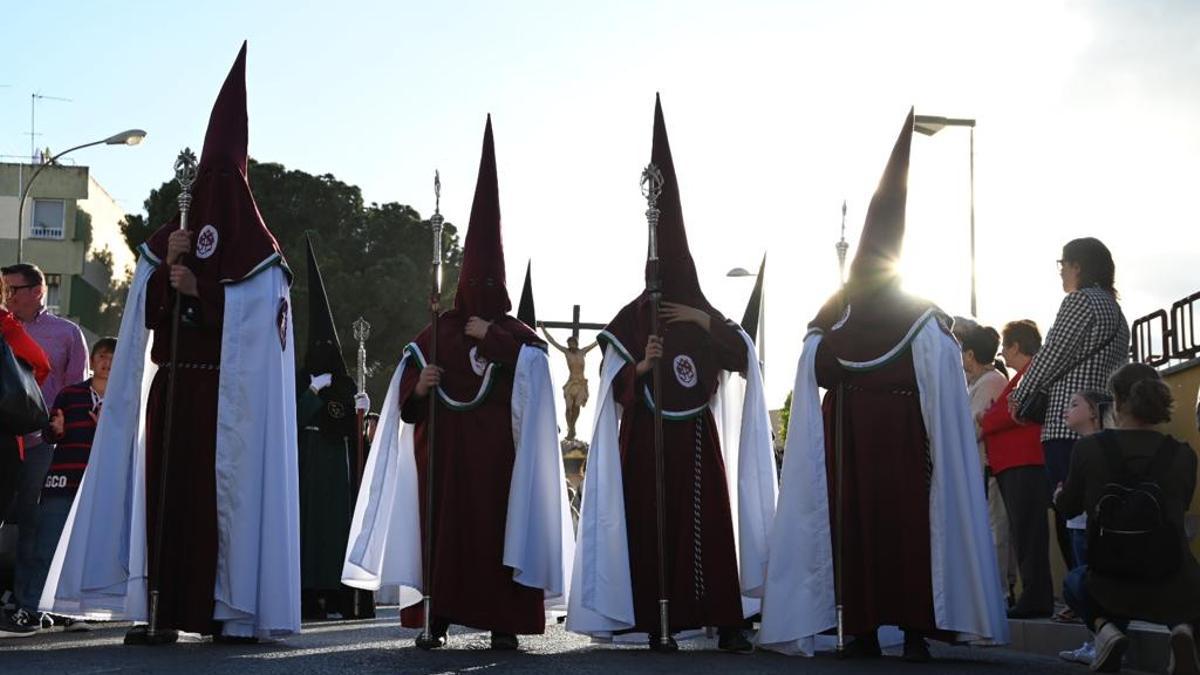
x,y
1111,644
1084,654
1183,660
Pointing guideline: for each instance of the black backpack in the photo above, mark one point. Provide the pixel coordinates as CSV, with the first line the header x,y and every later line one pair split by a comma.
x,y
1130,535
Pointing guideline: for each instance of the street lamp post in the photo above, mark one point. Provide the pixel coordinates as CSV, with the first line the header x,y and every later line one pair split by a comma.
x,y
761,338
130,137
930,125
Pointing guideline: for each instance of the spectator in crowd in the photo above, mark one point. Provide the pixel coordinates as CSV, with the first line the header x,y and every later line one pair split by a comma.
x,y
1141,569
1014,454
12,447
63,343
73,420
986,379
11,450
1088,341
1085,416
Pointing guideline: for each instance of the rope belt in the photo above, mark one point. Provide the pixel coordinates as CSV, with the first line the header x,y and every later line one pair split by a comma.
x,y
894,391
697,546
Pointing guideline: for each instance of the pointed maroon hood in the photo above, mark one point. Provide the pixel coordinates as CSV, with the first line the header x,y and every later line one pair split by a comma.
x,y
677,270
482,290
681,341
882,238
875,314
230,241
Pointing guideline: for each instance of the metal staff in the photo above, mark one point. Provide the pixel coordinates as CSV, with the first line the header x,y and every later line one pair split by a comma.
x,y
839,414
362,331
185,175
427,640
652,186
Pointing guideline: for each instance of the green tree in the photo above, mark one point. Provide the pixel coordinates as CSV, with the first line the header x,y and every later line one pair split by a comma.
x,y
375,258
112,303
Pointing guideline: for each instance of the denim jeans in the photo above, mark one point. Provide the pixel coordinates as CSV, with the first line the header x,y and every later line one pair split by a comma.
x,y
51,517
33,474
1079,541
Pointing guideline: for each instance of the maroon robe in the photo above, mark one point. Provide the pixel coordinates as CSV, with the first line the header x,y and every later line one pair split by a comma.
x,y
473,467
188,568
701,559
888,578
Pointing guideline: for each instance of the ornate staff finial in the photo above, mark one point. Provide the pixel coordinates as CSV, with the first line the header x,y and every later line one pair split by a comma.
x,y
436,219
842,246
652,187
362,331
185,175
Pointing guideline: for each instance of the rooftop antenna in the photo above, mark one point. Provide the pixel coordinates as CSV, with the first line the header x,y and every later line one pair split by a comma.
x,y
33,99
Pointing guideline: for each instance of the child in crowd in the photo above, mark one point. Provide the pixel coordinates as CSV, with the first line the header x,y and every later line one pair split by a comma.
x,y
73,420
1086,414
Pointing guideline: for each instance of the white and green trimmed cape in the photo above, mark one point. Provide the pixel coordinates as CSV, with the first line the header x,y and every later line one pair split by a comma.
x,y
967,596
99,569
601,588
384,547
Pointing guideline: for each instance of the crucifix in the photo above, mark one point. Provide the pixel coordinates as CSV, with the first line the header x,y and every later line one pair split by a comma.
x,y
575,392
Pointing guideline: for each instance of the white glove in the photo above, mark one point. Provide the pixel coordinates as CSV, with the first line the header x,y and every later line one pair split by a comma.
x,y
319,382
362,403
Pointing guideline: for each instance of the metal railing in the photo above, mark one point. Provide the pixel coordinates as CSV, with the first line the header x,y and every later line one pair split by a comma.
x,y
1163,336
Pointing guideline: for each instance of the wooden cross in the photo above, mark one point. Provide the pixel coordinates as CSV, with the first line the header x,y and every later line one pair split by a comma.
x,y
574,324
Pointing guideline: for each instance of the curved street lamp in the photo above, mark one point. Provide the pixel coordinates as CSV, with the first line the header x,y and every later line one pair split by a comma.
x,y
128,137
930,125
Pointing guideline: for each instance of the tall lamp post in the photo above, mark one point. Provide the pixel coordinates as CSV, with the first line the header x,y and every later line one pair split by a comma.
x,y
930,125
761,346
130,137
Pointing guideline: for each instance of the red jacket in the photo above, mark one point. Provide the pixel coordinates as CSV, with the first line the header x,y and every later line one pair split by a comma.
x,y
1010,444
24,348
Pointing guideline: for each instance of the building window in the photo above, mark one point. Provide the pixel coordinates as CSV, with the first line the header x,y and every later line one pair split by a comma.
x,y
49,218
53,293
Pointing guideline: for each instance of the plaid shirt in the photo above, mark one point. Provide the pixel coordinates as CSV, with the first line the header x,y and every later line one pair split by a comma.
x,y
1072,359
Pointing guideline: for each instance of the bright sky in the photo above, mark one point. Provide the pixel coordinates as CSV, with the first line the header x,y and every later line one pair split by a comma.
x,y
1087,125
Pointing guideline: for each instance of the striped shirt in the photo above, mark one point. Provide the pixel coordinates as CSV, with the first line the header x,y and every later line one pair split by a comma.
x,y
78,403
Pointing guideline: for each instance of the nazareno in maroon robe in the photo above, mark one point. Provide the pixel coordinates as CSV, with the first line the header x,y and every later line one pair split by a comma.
x,y
888,578
473,463
189,529
701,559
229,243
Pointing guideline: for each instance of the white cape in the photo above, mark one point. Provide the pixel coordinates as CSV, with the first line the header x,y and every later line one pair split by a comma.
x,y
99,568
601,591
967,596
384,546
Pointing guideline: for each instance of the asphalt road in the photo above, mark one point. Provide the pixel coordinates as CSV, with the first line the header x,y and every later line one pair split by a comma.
x,y
380,646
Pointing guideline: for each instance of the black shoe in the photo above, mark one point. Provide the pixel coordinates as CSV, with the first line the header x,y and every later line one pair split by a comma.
x,y
660,645
862,647
734,641
21,624
140,636
504,641
915,649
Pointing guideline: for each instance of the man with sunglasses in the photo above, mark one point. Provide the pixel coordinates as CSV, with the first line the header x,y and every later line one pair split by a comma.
x,y
63,343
